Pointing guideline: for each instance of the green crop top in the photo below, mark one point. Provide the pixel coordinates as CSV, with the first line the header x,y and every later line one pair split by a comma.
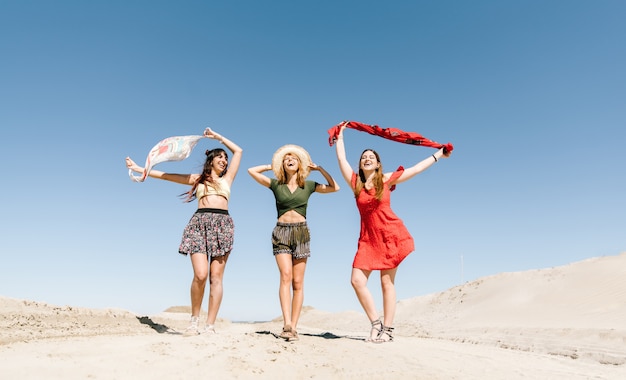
x,y
286,200
222,188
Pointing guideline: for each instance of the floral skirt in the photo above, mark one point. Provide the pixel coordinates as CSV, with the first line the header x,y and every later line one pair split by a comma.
x,y
210,232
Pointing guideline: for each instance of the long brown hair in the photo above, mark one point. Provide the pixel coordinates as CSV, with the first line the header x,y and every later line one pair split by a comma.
x,y
377,181
205,177
282,175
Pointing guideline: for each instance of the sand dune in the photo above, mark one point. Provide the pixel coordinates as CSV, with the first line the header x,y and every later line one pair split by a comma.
x,y
566,322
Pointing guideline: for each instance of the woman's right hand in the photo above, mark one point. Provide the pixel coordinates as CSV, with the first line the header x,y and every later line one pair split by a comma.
x,y
344,125
133,166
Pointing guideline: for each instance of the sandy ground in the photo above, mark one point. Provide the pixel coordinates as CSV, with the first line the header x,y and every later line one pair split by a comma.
x,y
559,323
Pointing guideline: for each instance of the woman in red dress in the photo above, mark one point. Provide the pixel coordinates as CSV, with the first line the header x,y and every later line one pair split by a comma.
x,y
384,240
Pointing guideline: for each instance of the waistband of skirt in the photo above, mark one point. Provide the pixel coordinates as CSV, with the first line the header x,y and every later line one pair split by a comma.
x,y
212,210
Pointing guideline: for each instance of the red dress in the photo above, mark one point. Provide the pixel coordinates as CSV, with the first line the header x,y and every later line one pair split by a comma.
x,y
384,240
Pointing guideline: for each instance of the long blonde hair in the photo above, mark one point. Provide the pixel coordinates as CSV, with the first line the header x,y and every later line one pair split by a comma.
x,y
377,181
282,175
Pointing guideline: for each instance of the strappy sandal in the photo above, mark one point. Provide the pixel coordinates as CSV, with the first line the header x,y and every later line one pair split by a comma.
x,y
287,332
377,328
294,336
193,327
385,335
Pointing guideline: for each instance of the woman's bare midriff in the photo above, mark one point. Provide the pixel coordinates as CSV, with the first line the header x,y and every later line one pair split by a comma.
x,y
291,216
213,201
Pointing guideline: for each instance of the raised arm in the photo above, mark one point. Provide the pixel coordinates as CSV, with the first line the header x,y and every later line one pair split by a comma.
x,y
183,179
331,186
256,173
422,165
235,161
344,165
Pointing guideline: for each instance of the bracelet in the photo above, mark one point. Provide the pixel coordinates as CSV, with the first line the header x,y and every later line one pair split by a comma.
x,y
435,158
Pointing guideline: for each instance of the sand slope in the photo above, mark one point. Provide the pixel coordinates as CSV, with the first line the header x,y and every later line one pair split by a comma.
x,y
566,322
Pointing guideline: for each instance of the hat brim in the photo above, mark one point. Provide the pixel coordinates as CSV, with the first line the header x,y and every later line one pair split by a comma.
x,y
298,151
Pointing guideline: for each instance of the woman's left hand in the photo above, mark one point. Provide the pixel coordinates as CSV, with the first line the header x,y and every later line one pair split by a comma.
x,y
212,134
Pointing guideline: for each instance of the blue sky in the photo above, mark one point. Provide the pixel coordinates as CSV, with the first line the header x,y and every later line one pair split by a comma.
x,y
531,93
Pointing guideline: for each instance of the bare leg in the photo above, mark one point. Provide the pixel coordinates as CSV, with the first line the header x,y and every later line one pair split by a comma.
x,y
299,266
387,283
359,283
285,267
200,265
216,289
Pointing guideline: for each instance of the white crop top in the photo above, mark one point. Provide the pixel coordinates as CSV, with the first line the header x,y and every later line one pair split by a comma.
x,y
221,188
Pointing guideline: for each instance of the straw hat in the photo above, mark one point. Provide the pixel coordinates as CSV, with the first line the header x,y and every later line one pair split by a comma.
x,y
298,151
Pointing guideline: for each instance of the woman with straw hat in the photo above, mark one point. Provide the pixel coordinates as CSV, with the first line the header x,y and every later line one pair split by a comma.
x,y
291,165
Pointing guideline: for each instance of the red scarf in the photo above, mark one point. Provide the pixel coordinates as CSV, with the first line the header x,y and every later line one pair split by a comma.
x,y
393,134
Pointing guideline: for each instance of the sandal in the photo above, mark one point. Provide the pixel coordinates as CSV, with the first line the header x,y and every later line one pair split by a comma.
x,y
377,328
193,327
287,332
294,337
385,335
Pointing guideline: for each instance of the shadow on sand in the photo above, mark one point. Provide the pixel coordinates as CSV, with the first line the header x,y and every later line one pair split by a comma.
x,y
161,329
324,335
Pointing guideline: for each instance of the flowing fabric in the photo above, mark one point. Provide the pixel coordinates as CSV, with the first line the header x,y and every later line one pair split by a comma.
x,y
394,134
175,148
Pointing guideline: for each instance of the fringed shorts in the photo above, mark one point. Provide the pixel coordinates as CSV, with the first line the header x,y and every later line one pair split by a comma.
x,y
292,238
210,232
